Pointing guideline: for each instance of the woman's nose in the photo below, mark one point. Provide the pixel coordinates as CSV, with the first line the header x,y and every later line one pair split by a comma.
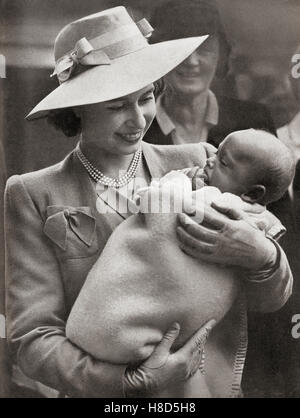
x,y
137,118
192,60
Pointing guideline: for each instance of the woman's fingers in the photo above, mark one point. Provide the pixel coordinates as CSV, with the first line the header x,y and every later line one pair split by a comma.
x,y
169,338
255,208
214,218
232,213
203,252
194,248
162,351
210,216
189,208
202,233
163,369
194,234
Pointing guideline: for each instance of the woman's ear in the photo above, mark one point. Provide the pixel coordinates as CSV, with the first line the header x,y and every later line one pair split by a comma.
x,y
255,194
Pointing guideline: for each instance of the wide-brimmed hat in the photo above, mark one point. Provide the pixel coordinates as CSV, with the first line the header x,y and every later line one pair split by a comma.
x,y
105,56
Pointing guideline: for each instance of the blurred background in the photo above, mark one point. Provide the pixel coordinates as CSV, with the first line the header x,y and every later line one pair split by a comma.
x,y
264,35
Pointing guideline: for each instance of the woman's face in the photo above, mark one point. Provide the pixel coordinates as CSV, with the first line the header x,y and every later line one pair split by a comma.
x,y
196,73
118,126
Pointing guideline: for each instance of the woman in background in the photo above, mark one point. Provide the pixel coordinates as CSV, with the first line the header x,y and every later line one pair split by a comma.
x,y
189,111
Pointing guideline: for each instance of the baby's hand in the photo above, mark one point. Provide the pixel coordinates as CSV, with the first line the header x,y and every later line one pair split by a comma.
x,y
196,175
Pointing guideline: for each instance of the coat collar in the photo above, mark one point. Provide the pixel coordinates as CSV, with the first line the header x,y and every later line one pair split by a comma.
x,y
168,126
85,184
153,160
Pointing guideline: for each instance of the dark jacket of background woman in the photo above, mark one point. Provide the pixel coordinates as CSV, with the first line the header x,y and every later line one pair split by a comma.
x,y
234,115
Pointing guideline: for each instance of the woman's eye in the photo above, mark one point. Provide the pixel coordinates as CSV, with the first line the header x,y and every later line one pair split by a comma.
x,y
116,108
147,99
119,107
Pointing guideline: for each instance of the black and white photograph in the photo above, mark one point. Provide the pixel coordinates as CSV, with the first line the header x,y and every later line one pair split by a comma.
x,y
150,201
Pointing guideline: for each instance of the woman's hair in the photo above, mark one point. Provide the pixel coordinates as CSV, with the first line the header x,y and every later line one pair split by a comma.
x,y
66,120
181,19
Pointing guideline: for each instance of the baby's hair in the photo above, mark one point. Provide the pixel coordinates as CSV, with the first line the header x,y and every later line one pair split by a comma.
x,y
277,170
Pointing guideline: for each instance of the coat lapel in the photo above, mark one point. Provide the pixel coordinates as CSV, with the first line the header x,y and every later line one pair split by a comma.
x,y
108,202
154,162
117,202
87,190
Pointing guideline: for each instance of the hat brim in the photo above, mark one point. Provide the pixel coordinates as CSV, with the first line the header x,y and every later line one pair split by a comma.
x,y
124,76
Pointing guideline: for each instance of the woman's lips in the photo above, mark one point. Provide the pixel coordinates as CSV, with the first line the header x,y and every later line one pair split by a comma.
x,y
131,137
189,75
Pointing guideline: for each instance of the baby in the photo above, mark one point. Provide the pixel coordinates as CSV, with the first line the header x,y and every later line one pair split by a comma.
x,y
251,164
142,282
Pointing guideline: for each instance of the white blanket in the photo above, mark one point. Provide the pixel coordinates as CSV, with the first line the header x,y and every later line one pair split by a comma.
x,y
143,282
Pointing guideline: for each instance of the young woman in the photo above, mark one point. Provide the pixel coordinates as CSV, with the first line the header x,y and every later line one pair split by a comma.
x,y
189,111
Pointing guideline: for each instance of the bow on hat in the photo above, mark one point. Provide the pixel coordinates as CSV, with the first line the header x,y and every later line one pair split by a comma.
x,y
86,54
83,54
79,220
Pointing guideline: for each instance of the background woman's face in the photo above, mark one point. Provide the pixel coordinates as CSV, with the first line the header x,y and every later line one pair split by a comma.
x,y
196,73
118,126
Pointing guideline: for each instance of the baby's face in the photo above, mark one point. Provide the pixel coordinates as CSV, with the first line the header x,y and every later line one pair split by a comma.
x,y
225,170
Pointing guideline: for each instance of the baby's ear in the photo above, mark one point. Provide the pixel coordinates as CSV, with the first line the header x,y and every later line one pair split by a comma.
x,y
255,194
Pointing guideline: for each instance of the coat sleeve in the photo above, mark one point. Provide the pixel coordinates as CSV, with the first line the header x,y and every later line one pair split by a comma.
x,y
36,310
268,291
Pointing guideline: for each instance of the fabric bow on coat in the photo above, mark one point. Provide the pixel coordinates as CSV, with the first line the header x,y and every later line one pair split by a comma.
x,y
79,220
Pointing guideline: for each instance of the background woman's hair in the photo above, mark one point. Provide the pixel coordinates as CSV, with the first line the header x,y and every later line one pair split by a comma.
x,y
181,19
66,120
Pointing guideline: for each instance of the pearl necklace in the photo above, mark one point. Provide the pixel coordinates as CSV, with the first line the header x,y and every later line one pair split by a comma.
x,y
99,177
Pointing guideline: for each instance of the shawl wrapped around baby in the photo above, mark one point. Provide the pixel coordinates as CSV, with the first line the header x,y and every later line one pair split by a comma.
x,y
143,282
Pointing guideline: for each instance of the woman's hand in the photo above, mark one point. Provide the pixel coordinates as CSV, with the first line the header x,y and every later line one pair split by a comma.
x,y
163,368
228,240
